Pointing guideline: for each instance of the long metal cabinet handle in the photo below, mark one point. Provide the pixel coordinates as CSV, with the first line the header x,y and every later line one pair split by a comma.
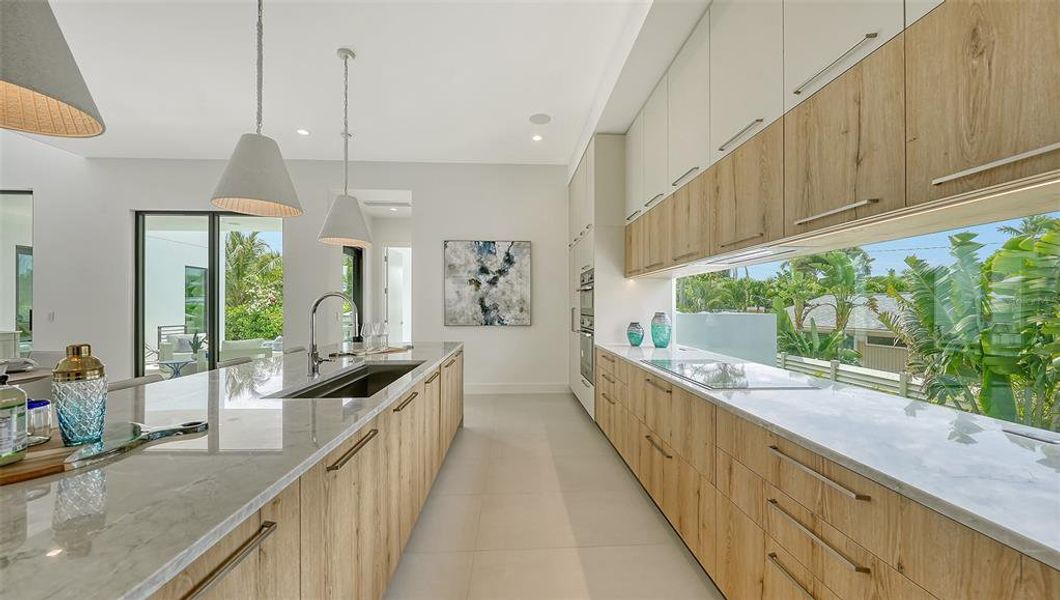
x,y
402,406
244,550
841,488
610,359
450,363
868,36
997,163
739,134
853,566
837,210
436,375
658,447
607,377
686,174
686,255
606,397
653,199
633,214
743,239
345,458
657,386
787,575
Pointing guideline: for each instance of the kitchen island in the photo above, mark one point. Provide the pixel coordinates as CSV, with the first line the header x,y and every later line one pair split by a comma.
x,y
197,515
825,490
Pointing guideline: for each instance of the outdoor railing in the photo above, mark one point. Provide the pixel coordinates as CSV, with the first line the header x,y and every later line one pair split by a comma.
x,y
898,384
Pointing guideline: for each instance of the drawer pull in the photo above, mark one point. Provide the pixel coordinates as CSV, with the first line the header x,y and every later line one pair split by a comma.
x,y
632,214
450,363
743,239
739,134
841,488
233,560
853,566
658,447
402,406
606,397
997,163
607,377
657,386
586,383
802,87
345,458
436,375
686,255
787,575
837,210
653,199
609,359
686,174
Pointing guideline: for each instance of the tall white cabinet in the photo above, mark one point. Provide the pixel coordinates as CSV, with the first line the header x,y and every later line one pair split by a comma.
x,y
688,101
656,163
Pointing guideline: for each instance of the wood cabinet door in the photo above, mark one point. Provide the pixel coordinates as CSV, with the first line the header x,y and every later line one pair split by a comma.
x,y
681,486
635,169
280,572
740,545
690,222
784,578
844,158
746,70
656,151
824,38
692,431
370,553
452,390
707,551
689,107
406,417
656,238
657,406
631,255
240,580
983,87
432,391
747,190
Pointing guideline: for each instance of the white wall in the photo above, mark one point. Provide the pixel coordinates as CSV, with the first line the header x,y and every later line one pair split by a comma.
x,y
83,248
16,229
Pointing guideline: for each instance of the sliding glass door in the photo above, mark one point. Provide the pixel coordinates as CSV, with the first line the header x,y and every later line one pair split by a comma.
x,y
203,277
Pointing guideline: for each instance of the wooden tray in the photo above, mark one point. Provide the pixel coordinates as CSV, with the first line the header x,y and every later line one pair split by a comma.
x,y
41,460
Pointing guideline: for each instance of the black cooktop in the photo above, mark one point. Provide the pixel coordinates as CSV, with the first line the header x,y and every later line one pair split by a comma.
x,y
720,375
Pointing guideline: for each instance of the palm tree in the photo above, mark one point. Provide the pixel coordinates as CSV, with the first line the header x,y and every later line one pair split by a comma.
x,y
1034,226
812,344
841,273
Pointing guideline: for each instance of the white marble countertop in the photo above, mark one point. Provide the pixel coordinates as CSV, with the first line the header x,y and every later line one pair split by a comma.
x,y
125,528
959,464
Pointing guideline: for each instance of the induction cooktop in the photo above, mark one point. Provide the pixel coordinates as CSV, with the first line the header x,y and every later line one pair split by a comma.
x,y
720,375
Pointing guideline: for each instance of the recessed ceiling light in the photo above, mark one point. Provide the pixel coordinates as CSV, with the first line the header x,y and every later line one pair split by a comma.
x,y
392,209
302,131
537,137
540,119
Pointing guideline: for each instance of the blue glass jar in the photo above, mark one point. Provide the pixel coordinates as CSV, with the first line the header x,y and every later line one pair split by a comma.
x,y
79,386
635,333
661,329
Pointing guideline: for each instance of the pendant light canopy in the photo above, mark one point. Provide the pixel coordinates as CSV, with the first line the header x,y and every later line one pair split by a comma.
x,y
41,88
255,181
345,224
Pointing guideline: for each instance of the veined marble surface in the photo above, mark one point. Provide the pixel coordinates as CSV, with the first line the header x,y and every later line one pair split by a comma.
x,y
962,465
123,529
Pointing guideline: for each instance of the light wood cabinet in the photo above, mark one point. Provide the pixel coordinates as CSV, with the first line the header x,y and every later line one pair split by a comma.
x,y
740,545
638,238
635,170
452,397
688,98
746,70
432,401
707,550
1037,581
691,222
691,425
407,422
844,156
915,9
747,190
680,495
823,38
656,184
783,578
656,238
982,90
280,576
657,405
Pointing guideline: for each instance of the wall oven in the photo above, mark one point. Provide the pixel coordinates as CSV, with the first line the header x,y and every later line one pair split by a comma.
x,y
585,324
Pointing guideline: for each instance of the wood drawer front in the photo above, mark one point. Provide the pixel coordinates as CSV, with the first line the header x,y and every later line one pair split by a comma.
x,y
1038,581
681,484
623,371
707,550
658,400
241,581
692,430
783,578
856,506
605,362
982,85
952,561
740,564
638,391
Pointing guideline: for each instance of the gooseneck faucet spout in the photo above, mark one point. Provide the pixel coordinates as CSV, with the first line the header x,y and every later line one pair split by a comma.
x,y
314,355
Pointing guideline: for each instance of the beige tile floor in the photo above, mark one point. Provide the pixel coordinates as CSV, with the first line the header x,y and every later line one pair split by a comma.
x,y
533,503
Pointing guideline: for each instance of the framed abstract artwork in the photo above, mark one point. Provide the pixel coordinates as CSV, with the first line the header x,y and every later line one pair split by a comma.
x,y
486,283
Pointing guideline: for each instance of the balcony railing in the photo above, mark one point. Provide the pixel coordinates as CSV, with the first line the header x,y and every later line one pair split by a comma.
x,y
899,384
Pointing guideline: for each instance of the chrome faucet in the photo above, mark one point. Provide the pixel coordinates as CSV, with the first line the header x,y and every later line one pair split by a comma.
x,y
314,356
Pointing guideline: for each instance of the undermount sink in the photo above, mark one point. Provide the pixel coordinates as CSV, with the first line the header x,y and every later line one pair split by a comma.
x,y
360,383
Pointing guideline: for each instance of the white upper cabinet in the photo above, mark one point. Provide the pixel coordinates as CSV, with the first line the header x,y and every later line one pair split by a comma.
x,y
578,196
914,9
635,169
689,107
746,70
656,146
823,38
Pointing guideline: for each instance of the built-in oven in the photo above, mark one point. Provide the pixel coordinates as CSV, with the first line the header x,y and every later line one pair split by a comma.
x,y
585,323
585,293
586,354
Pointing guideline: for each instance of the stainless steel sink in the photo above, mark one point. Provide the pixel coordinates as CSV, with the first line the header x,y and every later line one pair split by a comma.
x,y
359,383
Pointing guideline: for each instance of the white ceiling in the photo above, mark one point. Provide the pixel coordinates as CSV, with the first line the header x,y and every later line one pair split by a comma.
x,y
385,204
440,80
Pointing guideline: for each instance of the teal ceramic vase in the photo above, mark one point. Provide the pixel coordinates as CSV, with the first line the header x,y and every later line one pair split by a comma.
x,y
635,333
661,328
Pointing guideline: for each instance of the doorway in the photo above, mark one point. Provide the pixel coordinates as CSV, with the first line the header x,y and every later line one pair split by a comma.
x,y
397,293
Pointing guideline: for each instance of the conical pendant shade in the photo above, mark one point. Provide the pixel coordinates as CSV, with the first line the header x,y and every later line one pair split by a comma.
x,y
255,181
41,88
345,225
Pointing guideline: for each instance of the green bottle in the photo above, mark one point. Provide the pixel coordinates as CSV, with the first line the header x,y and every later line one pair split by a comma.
x,y
13,438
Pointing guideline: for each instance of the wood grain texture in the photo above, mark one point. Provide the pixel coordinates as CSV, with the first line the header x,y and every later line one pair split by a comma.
x,y
783,578
707,551
240,583
982,84
1038,581
280,575
741,553
690,222
845,145
692,430
746,189
657,236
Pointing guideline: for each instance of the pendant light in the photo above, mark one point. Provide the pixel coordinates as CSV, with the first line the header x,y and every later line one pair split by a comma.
x,y
255,181
41,88
345,225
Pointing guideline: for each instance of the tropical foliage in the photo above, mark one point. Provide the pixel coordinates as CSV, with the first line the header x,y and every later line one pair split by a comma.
x,y
811,343
253,288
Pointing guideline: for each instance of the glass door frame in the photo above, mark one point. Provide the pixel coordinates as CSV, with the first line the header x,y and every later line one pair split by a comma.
x,y
212,283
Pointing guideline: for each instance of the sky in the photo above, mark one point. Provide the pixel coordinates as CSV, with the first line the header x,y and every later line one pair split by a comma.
x,y
932,248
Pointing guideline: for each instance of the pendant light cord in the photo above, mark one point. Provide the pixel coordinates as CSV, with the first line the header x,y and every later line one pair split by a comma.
x,y
261,52
346,126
